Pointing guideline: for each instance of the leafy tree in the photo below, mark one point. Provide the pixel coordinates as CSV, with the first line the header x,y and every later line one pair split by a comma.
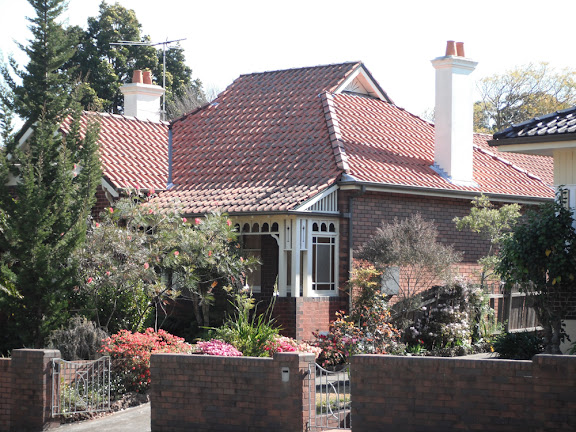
x,y
521,94
44,83
105,67
137,258
492,224
412,247
541,257
55,177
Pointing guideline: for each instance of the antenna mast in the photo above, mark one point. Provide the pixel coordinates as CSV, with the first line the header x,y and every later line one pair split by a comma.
x,y
164,44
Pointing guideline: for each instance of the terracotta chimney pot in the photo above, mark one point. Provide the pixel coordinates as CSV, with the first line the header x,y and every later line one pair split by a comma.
x,y
450,48
137,76
147,77
460,49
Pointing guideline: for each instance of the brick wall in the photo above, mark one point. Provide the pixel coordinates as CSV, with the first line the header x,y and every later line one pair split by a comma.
x,y
300,316
436,394
29,405
100,204
5,393
208,393
370,209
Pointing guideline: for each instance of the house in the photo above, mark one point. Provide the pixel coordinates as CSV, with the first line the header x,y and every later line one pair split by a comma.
x,y
308,163
552,135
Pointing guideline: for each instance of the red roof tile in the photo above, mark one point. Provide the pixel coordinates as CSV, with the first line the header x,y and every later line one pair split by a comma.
x,y
273,140
263,145
386,144
133,153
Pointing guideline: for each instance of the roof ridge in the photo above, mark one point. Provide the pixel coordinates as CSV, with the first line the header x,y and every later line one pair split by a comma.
x,y
302,68
125,117
331,118
510,164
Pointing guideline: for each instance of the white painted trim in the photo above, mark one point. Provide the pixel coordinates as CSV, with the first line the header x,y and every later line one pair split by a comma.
x,y
366,81
109,188
539,148
307,204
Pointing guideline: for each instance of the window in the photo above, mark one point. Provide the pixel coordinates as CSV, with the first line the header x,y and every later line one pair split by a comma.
x,y
252,245
323,256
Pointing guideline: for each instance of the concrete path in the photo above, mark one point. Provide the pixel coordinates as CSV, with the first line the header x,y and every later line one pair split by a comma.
x,y
135,419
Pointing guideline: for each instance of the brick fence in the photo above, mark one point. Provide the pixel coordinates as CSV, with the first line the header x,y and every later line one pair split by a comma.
x,y
25,390
209,393
441,394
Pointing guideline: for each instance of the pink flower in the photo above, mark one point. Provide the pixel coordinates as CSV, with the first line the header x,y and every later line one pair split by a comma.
x,y
184,220
150,211
197,221
241,259
209,253
229,222
107,273
176,253
146,266
111,210
97,225
89,280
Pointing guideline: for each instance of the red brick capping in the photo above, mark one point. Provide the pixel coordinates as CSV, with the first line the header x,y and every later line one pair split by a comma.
x,y
211,393
31,371
5,393
392,393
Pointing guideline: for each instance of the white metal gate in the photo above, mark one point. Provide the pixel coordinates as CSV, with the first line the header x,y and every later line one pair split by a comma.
x,y
80,386
329,398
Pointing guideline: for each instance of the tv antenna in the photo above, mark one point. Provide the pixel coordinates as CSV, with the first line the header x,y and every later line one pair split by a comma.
x,y
164,45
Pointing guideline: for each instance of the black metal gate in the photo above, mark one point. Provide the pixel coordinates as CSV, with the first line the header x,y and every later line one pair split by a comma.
x,y
80,386
329,398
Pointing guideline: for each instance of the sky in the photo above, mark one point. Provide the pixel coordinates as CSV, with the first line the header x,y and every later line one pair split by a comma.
x,y
395,39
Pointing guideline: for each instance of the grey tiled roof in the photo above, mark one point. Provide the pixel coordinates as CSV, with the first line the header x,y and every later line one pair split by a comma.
x,y
552,125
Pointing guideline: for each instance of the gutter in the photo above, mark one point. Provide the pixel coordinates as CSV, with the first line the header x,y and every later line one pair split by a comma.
x,y
444,193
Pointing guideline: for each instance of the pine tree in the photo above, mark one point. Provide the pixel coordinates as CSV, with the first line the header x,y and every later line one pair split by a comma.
x,y
54,179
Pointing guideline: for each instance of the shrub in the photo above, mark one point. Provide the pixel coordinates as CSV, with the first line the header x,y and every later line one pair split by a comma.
x,y
457,315
371,334
247,330
80,340
286,344
518,346
218,348
130,353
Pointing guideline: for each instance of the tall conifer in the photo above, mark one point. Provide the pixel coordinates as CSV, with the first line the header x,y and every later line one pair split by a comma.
x,y
54,179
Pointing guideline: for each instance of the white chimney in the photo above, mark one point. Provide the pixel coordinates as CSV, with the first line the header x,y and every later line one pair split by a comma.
x,y
142,98
454,115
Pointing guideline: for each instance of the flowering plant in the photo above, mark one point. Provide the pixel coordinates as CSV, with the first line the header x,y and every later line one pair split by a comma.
x,y
286,344
130,353
219,348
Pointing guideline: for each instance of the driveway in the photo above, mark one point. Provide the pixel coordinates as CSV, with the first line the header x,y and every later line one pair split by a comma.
x,y
135,419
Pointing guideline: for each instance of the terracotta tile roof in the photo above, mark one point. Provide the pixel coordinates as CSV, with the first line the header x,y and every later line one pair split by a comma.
x,y
273,140
133,153
262,145
554,125
386,144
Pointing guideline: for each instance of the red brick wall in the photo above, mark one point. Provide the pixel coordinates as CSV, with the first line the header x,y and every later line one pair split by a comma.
x,y
5,393
101,203
299,316
370,209
435,394
209,393
31,372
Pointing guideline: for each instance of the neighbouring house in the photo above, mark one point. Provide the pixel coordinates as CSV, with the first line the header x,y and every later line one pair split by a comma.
x,y
308,163
552,135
